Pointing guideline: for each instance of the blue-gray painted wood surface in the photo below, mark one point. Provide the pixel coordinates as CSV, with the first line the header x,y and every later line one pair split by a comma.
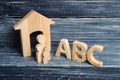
x,y
102,31
53,73
61,8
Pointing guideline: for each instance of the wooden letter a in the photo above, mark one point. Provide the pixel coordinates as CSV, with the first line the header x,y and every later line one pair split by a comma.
x,y
64,48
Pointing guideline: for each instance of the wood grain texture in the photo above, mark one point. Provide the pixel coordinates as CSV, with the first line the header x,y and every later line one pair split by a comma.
x,y
58,73
61,8
102,31
30,23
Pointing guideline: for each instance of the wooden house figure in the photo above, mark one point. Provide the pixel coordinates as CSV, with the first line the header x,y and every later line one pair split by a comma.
x,y
33,22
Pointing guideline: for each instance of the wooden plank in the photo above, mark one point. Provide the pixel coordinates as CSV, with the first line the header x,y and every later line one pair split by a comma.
x,y
61,8
58,73
102,31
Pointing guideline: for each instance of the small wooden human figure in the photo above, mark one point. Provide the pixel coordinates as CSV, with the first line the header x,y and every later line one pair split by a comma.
x,y
39,52
46,56
42,53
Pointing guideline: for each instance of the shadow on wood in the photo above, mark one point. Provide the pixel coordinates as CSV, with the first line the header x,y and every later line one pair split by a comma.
x,y
34,41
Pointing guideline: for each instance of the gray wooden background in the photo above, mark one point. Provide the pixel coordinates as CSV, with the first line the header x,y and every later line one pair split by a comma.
x,y
90,21
61,8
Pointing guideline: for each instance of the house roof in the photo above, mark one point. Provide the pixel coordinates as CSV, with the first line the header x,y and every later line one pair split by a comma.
x,y
32,12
